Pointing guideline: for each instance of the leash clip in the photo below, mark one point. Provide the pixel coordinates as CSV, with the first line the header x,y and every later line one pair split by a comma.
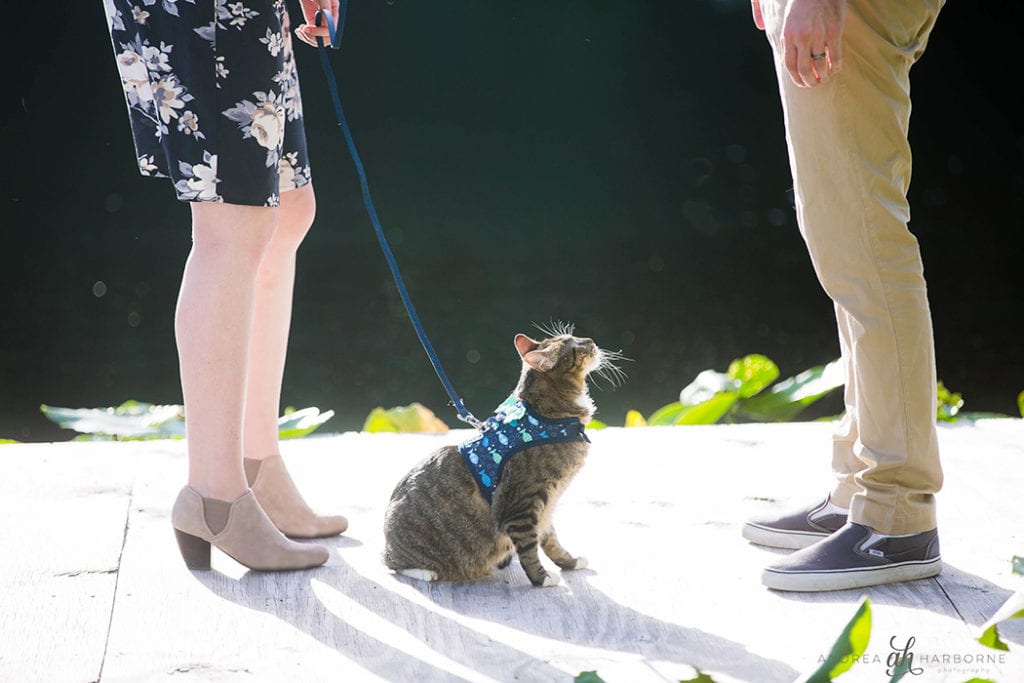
x,y
469,419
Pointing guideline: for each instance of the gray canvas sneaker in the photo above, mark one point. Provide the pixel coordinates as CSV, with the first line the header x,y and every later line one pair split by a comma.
x,y
855,557
798,529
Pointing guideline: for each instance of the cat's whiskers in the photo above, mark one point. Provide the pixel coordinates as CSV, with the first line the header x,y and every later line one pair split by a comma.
x,y
607,370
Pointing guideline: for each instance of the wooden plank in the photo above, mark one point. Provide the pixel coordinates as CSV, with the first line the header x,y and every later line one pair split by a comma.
x,y
65,508
671,584
979,516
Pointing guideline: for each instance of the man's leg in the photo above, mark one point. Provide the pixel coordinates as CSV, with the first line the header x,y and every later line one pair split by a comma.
x,y
851,167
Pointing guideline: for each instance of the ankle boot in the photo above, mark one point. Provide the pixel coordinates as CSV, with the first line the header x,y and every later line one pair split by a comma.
x,y
284,505
240,529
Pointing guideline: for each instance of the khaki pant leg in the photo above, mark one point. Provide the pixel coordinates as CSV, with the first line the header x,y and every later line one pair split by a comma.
x,y
845,464
851,161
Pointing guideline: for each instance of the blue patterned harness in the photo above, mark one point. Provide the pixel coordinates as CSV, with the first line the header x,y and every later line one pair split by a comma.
x,y
513,427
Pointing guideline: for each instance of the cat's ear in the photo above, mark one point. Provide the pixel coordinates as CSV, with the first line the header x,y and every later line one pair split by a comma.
x,y
524,344
541,361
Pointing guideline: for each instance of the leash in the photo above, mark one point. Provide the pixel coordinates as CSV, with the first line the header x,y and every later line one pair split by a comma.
x,y
332,85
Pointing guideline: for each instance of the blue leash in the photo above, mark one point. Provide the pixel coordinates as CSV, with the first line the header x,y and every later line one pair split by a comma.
x,y
332,84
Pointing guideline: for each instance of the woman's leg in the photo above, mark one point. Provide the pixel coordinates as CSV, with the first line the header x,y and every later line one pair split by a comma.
x,y
213,326
264,469
275,283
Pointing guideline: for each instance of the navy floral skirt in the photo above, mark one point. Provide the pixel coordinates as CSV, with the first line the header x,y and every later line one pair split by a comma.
x,y
213,96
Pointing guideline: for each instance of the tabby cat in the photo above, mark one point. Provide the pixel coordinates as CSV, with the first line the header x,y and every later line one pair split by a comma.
x,y
468,509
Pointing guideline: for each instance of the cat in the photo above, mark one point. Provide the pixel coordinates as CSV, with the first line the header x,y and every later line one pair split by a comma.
x,y
452,519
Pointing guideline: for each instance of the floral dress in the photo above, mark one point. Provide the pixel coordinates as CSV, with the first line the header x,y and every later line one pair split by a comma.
x,y
213,96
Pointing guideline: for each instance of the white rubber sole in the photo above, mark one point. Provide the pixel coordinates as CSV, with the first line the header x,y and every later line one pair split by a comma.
x,y
775,538
838,580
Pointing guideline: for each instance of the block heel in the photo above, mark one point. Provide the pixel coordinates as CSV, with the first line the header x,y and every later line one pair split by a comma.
x,y
194,550
246,534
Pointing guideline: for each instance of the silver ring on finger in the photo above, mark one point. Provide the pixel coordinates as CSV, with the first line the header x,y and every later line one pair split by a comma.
x,y
818,57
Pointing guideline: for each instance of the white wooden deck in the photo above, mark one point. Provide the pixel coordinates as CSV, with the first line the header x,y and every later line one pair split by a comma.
x,y
93,588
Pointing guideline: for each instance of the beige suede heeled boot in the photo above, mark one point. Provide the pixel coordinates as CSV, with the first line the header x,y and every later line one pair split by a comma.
x,y
280,499
240,529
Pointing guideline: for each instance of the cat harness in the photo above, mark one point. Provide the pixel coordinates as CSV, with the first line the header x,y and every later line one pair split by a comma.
x,y
513,427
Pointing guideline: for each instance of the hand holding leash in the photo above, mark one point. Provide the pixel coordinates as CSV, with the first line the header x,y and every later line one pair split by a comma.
x,y
313,32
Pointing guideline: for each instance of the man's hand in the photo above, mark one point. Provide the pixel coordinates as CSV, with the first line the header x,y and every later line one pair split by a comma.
x,y
812,33
309,31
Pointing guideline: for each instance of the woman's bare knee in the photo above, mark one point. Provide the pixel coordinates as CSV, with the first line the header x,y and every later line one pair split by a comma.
x,y
233,228
298,208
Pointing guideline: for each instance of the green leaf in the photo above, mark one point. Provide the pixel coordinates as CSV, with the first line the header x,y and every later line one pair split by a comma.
x,y
990,638
791,396
901,669
850,645
295,424
949,404
666,415
701,677
705,386
377,421
131,420
1013,608
752,373
709,412
413,418
635,419
1020,403
588,677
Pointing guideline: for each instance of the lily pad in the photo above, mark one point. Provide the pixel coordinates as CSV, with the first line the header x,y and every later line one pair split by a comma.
x,y
129,421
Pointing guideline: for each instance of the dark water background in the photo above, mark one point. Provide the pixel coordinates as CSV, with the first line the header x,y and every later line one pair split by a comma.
x,y
619,164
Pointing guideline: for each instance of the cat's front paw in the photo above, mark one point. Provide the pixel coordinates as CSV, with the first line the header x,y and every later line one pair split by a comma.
x,y
581,563
419,574
551,580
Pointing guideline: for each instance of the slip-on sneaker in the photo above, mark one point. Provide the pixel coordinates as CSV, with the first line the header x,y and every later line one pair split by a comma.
x,y
797,529
855,557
